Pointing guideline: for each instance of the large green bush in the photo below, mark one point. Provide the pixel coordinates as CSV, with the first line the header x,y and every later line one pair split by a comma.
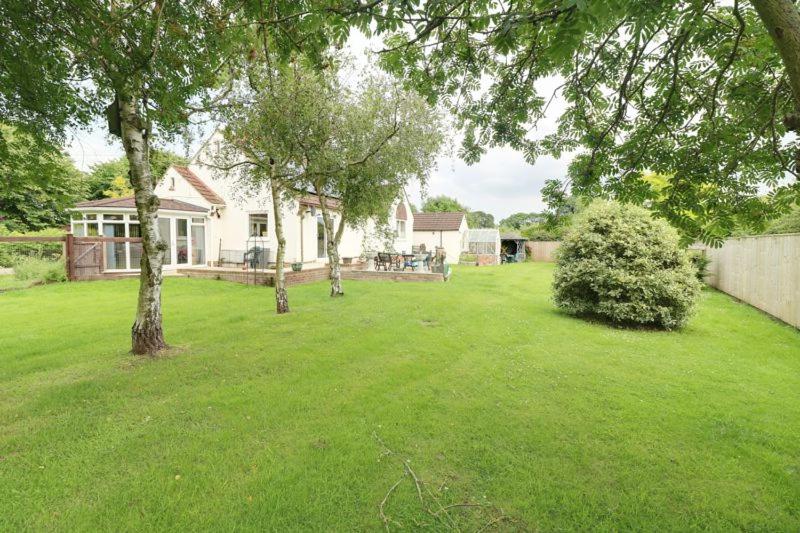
x,y
620,264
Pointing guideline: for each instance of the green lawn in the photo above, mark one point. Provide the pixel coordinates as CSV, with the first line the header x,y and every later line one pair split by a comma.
x,y
306,421
9,282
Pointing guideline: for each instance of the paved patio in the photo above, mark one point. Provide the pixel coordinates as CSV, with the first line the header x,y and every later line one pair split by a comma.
x,y
310,273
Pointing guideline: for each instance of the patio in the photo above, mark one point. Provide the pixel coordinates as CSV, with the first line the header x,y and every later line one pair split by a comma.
x,y
309,274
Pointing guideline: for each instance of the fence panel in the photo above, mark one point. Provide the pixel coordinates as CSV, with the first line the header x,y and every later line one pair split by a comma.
x,y
542,250
16,249
763,271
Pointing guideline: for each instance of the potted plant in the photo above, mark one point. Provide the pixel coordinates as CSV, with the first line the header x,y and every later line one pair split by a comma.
x,y
297,267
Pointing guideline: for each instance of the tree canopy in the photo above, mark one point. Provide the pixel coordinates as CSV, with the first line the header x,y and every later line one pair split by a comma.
x,y
153,61
480,219
38,182
708,91
443,204
520,220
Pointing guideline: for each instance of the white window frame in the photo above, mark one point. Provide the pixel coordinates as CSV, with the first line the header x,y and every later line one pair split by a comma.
x,y
258,214
79,219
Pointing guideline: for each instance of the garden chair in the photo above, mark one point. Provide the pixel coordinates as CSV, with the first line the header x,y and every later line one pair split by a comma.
x,y
383,260
254,257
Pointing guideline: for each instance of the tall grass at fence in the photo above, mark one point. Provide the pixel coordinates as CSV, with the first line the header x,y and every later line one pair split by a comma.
x,y
12,253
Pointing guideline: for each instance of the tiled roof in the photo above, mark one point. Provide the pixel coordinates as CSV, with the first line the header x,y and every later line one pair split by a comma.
x,y
129,203
437,221
313,200
204,190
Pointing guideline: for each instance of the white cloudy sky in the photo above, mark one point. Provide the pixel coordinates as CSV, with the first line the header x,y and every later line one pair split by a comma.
x,y
501,183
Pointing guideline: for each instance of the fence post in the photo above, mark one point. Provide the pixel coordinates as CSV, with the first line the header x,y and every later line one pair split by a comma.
x,y
69,246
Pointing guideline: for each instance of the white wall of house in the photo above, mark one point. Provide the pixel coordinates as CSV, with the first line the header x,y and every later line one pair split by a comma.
x,y
454,242
228,226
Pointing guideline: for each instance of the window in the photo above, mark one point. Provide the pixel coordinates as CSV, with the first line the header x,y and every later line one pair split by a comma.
x,y
198,242
321,237
115,251
172,183
401,229
166,234
259,225
135,251
182,240
84,225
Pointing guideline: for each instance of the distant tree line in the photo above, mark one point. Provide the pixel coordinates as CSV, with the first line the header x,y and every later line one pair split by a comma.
x,y
39,182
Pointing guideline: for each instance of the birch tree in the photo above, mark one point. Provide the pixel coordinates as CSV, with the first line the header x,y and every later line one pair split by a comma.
x,y
381,139
63,62
269,123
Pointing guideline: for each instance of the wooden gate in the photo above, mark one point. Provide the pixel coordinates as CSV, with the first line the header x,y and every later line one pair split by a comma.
x,y
86,257
86,260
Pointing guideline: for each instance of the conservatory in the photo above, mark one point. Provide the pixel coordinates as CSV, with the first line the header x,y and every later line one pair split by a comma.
x,y
182,225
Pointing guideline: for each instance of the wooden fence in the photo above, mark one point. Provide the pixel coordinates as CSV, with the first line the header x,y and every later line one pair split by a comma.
x,y
84,257
542,250
763,271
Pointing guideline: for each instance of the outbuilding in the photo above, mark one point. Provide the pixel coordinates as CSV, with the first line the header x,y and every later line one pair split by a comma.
x,y
512,247
445,230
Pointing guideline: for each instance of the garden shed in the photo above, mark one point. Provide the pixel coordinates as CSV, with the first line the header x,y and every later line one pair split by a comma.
x,y
484,243
512,247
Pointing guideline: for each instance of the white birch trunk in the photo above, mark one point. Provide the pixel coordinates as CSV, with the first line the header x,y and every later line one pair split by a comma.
x,y
332,248
281,297
147,336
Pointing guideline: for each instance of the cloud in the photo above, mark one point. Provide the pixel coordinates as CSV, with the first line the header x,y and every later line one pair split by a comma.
x,y
501,183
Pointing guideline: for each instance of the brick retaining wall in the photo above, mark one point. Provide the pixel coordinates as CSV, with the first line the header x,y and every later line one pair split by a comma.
x,y
306,276
381,275
260,278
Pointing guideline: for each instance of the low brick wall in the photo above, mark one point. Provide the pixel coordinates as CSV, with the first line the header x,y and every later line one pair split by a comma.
x,y
259,278
373,275
349,272
486,259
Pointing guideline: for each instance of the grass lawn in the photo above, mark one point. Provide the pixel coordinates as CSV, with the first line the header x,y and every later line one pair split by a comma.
x,y
478,387
9,282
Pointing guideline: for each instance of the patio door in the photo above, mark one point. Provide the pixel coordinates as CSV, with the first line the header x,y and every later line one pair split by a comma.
x,y
115,256
182,240
322,238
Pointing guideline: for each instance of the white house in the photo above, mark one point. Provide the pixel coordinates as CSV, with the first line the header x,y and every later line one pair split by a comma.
x,y
207,221
447,230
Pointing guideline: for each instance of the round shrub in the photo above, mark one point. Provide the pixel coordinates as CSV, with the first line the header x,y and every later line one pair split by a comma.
x,y
620,264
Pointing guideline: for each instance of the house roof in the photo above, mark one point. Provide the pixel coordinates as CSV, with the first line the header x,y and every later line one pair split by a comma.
x,y
511,236
204,190
437,221
129,203
313,200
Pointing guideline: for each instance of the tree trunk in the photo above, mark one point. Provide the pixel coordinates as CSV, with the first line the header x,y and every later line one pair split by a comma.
x,y
782,20
332,248
147,336
281,297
